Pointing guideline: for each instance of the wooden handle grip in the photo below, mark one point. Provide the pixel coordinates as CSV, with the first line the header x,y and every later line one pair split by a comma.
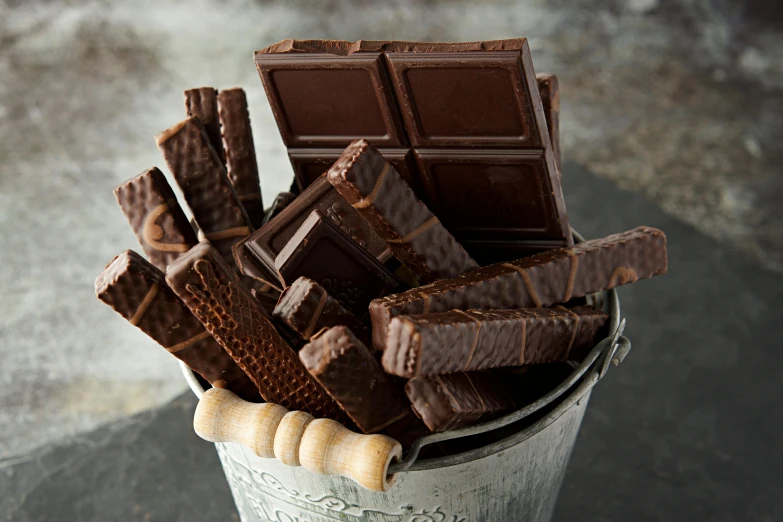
x,y
297,439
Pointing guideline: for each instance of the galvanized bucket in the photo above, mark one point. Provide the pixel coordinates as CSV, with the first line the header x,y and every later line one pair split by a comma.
x,y
514,478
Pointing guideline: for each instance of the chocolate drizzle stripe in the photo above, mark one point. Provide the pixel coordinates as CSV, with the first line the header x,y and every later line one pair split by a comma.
x,y
523,343
575,328
152,232
623,274
480,398
228,233
475,339
571,276
367,201
410,236
528,284
184,344
316,315
145,304
426,305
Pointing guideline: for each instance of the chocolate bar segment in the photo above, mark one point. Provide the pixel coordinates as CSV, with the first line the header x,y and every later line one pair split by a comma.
x,y
307,309
446,402
157,220
548,278
457,341
549,89
213,292
321,251
138,292
202,103
203,180
416,236
352,376
240,151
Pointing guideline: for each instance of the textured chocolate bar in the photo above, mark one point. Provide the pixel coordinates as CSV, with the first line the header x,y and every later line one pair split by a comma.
x,y
202,103
205,184
324,253
549,88
155,216
446,402
241,164
281,201
352,376
416,236
213,292
459,341
138,292
307,309
266,243
548,278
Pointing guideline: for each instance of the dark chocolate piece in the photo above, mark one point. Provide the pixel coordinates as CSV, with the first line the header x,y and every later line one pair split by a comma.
x,y
281,201
202,103
266,243
240,151
460,341
321,251
352,376
214,293
307,309
138,292
416,236
155,216
205,184
264,281
447,402
548,278
549,88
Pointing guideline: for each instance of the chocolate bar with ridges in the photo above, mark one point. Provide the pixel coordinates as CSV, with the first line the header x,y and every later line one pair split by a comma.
x,y
241,164
202,103
307,309
414,234
545,279
352,376
446,402
157,219
459,341
214,293
137,290
204,182
549,88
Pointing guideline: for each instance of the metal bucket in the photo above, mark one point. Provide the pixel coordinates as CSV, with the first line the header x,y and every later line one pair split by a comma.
x,y
514,478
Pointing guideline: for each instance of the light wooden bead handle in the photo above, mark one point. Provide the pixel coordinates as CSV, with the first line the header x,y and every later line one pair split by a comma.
x,y
297,439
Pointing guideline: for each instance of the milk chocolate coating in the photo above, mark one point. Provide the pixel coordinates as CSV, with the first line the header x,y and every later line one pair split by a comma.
x,y
240,151
457,341
202,103
415,236
138,292
204,182
446,402
155,216
214,293
352,376
548,278
307,309
549,88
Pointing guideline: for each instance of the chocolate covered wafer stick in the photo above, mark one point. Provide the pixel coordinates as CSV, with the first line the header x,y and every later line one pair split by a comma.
x,y
307,308
202,103
549,88
203,180
241,152
138,292
374,187
155,216
214,293
545,279
459,340
352,376
446,402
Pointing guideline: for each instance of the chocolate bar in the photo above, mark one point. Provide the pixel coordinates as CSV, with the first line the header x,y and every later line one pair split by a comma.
x,y
205,184
321,251
447,402
281,201
416,236
241,163
137,291
266,243
202,103
460,341
213,292
549,88
307,309
545,279
155,216
352,376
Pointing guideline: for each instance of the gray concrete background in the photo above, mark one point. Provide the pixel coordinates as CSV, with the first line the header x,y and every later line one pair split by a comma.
x,y
678,100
